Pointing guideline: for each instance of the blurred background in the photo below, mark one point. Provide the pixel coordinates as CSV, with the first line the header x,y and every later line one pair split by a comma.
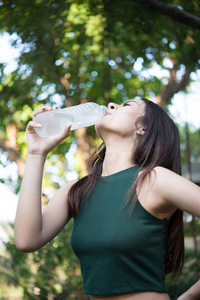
x,y
63,53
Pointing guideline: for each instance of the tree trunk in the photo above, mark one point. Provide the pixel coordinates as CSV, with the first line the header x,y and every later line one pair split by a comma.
x,y
173,86
106,69
11,148
83,151
189,175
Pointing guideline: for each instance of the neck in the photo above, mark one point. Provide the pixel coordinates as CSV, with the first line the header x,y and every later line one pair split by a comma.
x,y
116,159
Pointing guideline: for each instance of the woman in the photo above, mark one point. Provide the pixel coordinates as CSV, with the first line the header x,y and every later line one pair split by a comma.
x,y
125,243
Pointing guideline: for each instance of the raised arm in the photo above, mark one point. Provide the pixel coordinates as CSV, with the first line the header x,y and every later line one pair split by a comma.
x,y
34,228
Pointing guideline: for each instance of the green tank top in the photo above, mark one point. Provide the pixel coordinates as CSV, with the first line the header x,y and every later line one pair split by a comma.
x,y
119,252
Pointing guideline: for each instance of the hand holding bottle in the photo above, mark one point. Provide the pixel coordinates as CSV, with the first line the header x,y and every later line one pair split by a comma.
x,y
82,115
41,146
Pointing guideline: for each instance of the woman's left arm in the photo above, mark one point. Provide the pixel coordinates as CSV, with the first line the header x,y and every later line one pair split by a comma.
x,y
178,192
192,294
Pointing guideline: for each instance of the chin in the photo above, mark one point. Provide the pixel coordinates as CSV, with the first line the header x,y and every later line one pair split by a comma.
x,y
102,128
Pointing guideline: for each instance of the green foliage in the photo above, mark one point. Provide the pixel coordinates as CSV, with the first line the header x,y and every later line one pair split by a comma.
x,y
67,56
46,272
75,51
178,286
194,136
188,228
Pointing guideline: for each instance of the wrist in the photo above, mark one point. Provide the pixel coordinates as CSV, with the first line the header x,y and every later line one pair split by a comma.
x,y
37,151
36,156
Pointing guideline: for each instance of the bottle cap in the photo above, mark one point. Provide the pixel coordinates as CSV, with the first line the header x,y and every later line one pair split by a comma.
x,y
104,108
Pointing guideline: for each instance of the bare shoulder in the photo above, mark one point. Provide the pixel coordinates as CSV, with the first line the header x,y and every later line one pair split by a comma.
x,y
166,180
161,171
177,191
164,177
152,195
158,177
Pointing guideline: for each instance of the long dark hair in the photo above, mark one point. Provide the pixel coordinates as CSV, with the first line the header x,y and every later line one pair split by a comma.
x,y
158,146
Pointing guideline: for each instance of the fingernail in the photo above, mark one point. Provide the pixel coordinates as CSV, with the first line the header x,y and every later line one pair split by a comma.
x,y
38,125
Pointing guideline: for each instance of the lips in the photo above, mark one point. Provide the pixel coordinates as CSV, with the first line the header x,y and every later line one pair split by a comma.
x,y
108,113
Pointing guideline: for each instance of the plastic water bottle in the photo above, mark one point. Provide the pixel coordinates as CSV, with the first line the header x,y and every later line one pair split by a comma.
x,y
82,115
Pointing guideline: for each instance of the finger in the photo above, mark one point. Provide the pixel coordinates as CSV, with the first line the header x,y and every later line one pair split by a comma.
x,y
64,134
41,110
33,124
67,129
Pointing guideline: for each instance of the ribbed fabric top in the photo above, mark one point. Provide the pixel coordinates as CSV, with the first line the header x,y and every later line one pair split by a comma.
x,y
119,252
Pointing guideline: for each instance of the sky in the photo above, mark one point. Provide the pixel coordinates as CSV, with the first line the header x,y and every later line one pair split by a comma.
x,y
186,107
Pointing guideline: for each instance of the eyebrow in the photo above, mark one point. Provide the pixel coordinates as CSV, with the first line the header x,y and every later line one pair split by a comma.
x,y
130,101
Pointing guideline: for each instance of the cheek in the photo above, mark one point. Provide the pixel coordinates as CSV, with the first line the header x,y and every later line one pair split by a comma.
x,y
125,122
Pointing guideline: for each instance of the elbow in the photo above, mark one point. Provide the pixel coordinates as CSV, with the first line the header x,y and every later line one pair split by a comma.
x,y
22,246
21,242
25,241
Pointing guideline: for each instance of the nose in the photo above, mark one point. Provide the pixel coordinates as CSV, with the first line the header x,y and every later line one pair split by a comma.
x,y
112,106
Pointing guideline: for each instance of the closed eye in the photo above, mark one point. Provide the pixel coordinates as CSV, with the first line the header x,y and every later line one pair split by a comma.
x,y
126,104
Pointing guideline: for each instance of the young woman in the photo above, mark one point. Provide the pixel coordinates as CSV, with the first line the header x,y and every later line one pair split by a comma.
x,y
128,226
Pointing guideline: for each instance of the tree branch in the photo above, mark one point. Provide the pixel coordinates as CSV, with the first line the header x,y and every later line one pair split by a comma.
x,y
13,155
173,12
11,148
173,87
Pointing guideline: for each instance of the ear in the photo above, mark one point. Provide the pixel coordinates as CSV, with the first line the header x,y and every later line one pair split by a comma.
x,y
140,131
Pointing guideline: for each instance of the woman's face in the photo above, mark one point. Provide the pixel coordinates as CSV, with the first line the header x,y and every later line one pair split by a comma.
x,y
121,119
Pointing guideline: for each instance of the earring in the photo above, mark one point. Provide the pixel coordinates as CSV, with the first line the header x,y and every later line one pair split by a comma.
x,y
140,132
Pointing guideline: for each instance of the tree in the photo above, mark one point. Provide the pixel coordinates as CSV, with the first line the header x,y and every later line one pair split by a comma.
x,y
154,43
176,13
82,49
77,51
52,272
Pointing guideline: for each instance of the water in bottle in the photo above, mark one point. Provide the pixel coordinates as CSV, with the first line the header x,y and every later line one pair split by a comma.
x,y
55,121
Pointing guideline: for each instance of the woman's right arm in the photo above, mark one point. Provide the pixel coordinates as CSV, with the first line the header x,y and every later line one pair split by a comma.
x,y
33,227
